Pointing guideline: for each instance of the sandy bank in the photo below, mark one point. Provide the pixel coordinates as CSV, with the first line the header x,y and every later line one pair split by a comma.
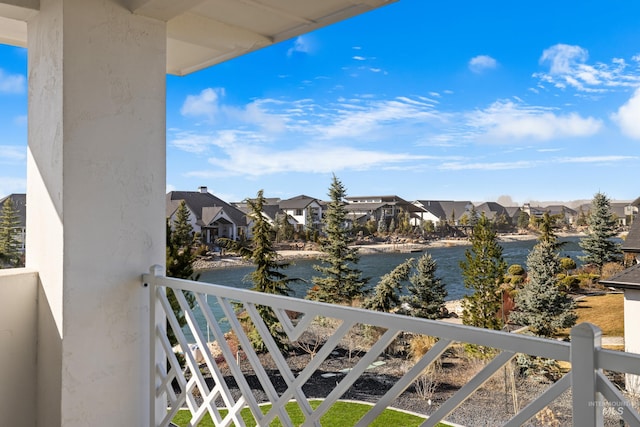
x,y
214,262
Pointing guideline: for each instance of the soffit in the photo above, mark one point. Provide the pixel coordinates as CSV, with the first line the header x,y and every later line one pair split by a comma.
x,y
201,33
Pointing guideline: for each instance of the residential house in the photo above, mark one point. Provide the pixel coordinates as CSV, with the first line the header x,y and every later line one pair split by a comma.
x,y
513,213
629,281
565,214
361,209
302,209
631,245
623,211
20,205
270,210
443,211
210,216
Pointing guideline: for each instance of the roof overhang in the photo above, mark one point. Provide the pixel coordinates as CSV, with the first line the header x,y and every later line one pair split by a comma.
x,y
201,33
628,278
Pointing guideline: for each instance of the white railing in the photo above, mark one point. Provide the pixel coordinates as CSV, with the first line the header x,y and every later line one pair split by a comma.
x,y
175,387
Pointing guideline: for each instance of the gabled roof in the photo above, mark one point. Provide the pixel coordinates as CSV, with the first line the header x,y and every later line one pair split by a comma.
x,y
513,211
491,209
443,209
559,209
628,278
298,202
197,202
632,241
19,204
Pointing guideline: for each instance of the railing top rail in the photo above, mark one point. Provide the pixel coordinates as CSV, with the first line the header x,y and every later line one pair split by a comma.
x,y
535,346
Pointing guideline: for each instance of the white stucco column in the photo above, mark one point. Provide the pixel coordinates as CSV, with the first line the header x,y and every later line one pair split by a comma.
x,y
632,333
95,186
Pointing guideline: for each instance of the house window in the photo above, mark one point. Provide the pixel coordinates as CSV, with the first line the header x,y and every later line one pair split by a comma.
x,y
298,212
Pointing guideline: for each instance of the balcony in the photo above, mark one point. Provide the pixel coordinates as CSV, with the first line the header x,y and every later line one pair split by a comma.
x,y
596,400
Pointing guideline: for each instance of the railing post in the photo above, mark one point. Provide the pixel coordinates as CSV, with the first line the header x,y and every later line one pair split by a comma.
x,y
588,405
156,321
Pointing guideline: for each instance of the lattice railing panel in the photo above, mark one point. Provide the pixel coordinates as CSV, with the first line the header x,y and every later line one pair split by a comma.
x,y
231,390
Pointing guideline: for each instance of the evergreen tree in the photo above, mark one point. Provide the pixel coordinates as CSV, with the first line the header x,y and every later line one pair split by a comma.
x,y
382,225
180,258
540,304
597,244
392,225
483,272
10,252
523,220
341,281
284,230
182,233
426,291
386,294
267,277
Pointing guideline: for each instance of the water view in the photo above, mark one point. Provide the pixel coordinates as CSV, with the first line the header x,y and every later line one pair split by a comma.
x,y
376,265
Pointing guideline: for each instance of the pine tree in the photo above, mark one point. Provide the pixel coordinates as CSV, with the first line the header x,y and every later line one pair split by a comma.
x,y
182,234
267,277
10,252
180,258
341,281
523,220
540,304
483,272
386,294
382,225
426,291
597,244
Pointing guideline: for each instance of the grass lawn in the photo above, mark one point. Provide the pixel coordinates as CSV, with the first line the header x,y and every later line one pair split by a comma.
x,y
341,414
605,311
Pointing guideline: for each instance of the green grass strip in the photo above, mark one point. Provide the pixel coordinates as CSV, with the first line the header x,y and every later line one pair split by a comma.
x,y
341,414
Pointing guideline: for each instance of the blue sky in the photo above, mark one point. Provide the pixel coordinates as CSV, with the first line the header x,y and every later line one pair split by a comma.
x,y
427,100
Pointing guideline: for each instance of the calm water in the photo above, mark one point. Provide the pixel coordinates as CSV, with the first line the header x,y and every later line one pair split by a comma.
x,y
376,265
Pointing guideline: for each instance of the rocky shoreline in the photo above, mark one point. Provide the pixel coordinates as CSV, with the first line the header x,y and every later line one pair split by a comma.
x,y
216,260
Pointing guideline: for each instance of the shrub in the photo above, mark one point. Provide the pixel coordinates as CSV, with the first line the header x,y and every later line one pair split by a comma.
x,y
610,269
515,270
419,345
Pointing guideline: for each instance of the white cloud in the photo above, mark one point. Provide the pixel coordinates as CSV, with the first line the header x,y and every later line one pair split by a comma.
x,y
568,67
359,58
12,154
12,83
628,116
206,103
480,63
489,166
253,160
528,164
302,44
506,120
10,185
366,119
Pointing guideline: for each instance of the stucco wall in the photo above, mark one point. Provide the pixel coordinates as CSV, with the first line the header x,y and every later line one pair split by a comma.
x,y
18,319
632,332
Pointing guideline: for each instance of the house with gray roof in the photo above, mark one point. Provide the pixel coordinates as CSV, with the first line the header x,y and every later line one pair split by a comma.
x,y
20,205
629,281
303,209
360,209
631,245
210,216
440,211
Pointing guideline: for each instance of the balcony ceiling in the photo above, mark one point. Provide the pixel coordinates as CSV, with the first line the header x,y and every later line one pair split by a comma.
x,y
201,33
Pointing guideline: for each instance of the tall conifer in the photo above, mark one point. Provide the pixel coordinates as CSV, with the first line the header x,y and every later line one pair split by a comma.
x,y
426,291
10,252
483,272
341,281
597,244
